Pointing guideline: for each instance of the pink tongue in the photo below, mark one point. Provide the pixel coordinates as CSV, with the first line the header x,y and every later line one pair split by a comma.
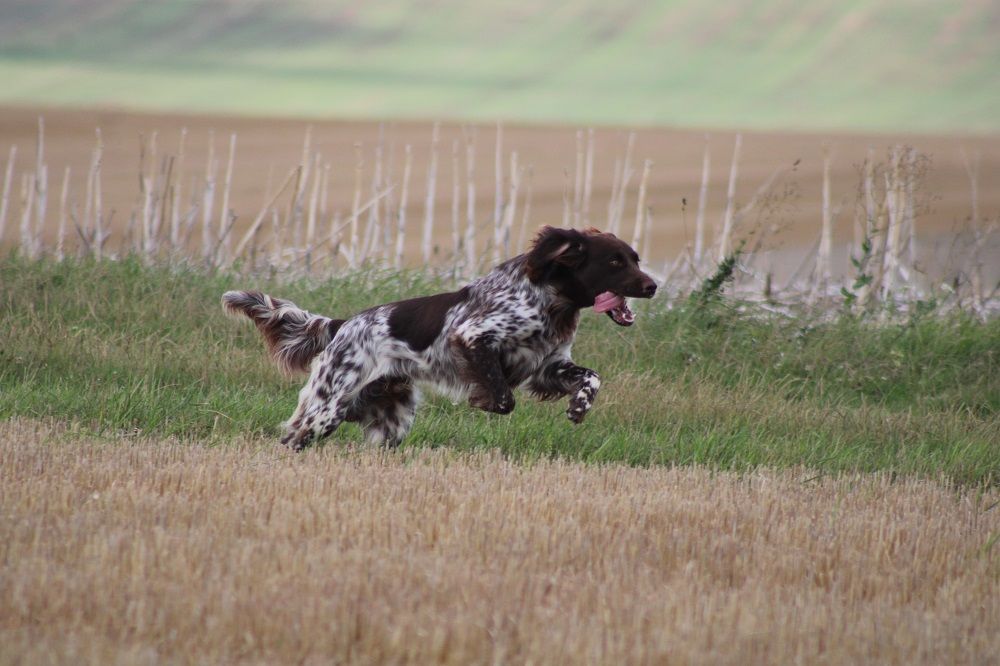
x,y
608,301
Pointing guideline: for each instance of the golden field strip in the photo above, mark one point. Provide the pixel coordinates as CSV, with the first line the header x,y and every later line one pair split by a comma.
x,y
134,550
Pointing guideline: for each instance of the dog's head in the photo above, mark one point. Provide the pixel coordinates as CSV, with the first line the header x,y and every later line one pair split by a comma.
x,y
589,268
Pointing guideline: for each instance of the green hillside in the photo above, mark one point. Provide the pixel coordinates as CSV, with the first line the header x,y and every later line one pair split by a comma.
x,y
897,64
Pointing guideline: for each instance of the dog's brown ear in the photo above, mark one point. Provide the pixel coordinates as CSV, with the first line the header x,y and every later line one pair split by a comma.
x,y
555,247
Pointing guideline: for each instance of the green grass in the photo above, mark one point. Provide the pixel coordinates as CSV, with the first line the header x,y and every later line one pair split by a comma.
x,y
859,64
119,346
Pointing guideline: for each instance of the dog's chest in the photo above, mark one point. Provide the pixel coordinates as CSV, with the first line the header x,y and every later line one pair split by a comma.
x,y
542,333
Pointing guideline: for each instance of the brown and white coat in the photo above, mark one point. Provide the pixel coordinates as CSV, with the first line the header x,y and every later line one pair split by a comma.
x,y
512,328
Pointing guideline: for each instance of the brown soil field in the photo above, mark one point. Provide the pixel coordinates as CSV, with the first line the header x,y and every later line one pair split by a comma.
x,y
133,550
270,147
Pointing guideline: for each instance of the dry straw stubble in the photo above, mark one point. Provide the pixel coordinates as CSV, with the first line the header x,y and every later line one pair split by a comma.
x,y
146,550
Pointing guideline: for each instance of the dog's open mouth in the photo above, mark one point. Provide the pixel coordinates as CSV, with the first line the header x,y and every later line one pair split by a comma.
x,y
616,307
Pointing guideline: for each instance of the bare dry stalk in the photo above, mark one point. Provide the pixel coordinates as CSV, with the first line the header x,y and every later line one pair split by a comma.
x,y
403,197
616,179
893,205
871,213
164,199
255,240
498,203
622,195
298,205
276,243
428,233
389,201
725,239
190,218
910,212
456,198
293,203
259,220
982,237
226,215
588,183
100,236
522,236
861,210
86,229
167,199
143,240
27,207
336,239
471,263
823,268
578,180
972,169
41,190
208,200
140,239
699,222
152,238
976,275
159,550
352,255
864,229
175,209
5,198
317,175
324,192
870,228
510,210
61,232
647,234
640,207
373,232
336,229
567,216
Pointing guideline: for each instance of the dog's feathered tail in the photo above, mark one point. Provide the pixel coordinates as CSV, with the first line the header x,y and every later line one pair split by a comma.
x,y
293,336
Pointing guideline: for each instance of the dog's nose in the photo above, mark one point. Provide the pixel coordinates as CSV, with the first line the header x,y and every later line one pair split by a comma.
x,y
648,287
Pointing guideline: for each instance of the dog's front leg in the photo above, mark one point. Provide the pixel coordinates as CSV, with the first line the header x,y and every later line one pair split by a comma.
x,y
481,367
563,377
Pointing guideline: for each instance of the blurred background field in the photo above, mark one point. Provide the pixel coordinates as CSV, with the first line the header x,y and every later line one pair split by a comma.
x,y
894,65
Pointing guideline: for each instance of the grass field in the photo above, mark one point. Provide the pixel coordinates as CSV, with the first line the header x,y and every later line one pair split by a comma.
x,y
748,489
848,65
116,347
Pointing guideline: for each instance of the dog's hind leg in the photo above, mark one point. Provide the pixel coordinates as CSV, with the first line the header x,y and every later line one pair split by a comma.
x,y
324,402
385,409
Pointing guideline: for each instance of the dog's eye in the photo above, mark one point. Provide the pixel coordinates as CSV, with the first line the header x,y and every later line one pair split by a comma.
x,y
616,263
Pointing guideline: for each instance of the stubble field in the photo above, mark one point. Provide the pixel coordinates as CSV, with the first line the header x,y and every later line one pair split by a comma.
x,y
144,550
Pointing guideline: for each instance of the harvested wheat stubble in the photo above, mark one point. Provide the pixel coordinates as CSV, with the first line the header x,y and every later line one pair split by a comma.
x,y
137,550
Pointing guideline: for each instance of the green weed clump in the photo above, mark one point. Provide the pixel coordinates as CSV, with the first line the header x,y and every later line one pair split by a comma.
x,y
121,347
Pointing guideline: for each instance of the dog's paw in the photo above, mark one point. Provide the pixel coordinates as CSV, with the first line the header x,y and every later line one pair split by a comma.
x,y
577,411
295,441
